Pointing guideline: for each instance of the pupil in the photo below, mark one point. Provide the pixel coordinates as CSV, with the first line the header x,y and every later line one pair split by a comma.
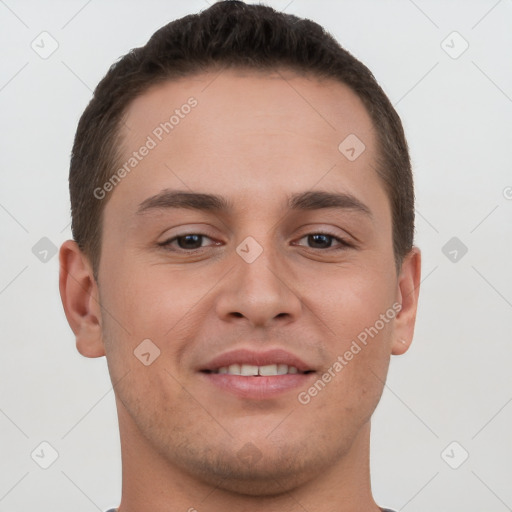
x,y
314,238
194,240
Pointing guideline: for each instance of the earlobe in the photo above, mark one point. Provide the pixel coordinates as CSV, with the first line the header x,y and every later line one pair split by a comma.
x,y
407,295
80,299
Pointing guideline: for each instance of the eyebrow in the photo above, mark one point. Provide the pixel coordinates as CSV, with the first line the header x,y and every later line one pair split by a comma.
x,y
303,201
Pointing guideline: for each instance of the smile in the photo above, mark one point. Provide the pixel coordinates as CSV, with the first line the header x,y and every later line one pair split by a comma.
x,y
251,370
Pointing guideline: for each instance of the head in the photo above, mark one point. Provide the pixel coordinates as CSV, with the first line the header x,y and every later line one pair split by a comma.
x,y
307,246
237,36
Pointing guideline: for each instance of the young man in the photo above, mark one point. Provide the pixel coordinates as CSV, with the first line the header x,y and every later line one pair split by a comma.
x,y
243,216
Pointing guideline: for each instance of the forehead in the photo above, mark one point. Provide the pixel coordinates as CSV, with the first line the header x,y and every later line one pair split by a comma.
x,y
246,132
266,102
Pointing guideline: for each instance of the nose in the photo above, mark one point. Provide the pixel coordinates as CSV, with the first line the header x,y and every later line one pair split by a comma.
x,y
260,292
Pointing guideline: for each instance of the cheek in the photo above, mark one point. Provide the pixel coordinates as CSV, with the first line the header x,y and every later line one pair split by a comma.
x,y
358,312
349,388
155,303
354,300
151,301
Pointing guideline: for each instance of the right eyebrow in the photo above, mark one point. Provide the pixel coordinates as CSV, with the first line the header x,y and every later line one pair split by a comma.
x,y
182,199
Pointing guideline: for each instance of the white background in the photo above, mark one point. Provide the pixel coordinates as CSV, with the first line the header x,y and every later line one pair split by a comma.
x,y
454,384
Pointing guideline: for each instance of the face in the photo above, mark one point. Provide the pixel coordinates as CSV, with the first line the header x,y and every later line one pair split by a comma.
x,y
284,274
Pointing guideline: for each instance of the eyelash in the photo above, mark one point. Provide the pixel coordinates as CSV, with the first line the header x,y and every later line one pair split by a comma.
x,y
343,244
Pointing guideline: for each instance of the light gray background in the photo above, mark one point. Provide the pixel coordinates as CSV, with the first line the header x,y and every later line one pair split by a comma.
x,y
455,382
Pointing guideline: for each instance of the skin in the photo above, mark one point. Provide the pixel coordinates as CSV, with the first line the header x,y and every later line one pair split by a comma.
x,y
253,138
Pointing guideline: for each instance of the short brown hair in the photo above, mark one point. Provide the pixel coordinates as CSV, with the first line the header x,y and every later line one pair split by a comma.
x,y
229,34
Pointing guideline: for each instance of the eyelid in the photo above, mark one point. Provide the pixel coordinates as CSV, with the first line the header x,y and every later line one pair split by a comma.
x,y
343,242
168,241
335,232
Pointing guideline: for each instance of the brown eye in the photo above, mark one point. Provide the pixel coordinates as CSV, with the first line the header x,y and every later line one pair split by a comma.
x,y
188,242
324,241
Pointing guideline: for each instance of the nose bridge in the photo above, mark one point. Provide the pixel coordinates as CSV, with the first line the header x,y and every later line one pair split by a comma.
x,y
259,287
259,265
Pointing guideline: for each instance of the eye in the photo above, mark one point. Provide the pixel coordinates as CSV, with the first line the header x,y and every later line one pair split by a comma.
x,y
188,242
324,241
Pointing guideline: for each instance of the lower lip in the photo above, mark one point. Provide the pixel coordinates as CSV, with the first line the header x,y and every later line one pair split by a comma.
x,y
258,388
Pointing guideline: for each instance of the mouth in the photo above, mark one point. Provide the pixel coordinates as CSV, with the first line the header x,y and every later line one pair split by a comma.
x,y
256,375
251,370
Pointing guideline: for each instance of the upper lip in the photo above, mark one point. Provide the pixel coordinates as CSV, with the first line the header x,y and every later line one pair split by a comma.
x,y
245,356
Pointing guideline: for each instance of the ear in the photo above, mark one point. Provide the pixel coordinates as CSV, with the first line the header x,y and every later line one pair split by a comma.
x,y
408,288
80,298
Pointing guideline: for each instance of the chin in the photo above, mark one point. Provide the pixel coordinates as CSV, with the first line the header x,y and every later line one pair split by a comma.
x,y
276,470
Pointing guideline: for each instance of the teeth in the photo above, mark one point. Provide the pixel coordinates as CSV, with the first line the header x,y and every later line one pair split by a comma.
x,y
269,369
250,370
234,369
282,369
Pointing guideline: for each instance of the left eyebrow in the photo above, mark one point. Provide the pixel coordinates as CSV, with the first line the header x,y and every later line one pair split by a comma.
x,y
316,200
303,201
